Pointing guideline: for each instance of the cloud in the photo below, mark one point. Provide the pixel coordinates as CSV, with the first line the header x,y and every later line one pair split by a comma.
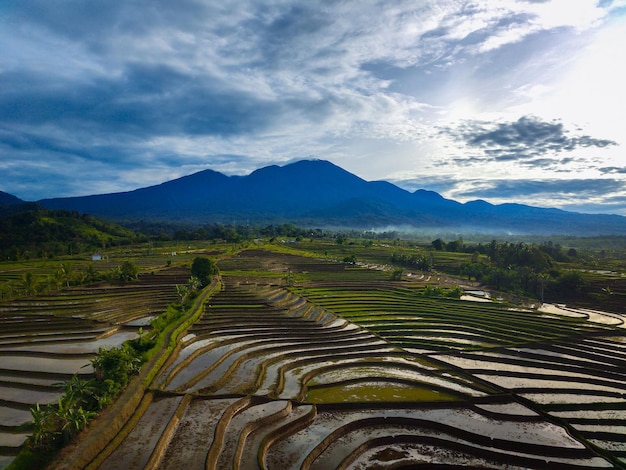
x,y
613,170
523,140
592,195
512,189
133,93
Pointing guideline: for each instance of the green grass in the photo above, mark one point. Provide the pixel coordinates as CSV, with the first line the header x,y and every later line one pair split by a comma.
x,y
375,391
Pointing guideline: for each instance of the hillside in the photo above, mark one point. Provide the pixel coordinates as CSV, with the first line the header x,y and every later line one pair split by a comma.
x,y
40,232
320,194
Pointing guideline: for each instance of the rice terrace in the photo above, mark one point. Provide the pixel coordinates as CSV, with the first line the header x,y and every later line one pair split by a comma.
x,y
315,354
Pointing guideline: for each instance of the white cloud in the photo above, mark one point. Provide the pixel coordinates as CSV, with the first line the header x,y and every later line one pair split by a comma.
x,y
237,85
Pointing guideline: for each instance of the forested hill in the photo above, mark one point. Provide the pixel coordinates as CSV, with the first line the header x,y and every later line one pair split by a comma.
x,y
39,232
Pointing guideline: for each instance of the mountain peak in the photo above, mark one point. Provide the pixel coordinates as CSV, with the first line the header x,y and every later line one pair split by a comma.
x,y
320,193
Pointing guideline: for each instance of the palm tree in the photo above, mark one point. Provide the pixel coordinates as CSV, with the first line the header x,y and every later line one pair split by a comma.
x,y
91,274
68,273
28,283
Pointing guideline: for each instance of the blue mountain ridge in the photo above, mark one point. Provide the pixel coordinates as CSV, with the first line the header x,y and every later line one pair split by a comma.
x,y
317,193
9,199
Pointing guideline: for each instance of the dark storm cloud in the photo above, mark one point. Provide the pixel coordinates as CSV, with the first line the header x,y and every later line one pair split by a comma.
x,y
144,100
523,140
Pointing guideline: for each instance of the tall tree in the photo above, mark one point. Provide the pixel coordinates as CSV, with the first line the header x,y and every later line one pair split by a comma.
x,y
204,269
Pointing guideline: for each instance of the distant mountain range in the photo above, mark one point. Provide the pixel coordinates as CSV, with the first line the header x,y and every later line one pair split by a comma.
x,y
317,193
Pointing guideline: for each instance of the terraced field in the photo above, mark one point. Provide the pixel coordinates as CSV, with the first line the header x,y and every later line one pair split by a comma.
x,y
348,370
46,339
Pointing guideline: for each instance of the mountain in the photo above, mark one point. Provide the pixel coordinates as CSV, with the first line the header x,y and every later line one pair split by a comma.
x,y
317,193
9,199
10,204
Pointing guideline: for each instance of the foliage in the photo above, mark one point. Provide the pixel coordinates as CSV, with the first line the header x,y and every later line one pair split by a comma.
x,y
396,274
128,271
36,232
56,424
204,269
183,293
414,261
438,291
350,259
116,364
161,322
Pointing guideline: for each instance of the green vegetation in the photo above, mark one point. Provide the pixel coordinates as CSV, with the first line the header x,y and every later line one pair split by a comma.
x,y
312,326
43,233
204,269
56,424
371,391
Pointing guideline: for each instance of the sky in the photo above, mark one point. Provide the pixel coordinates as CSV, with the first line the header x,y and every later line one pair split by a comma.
x,y
501,100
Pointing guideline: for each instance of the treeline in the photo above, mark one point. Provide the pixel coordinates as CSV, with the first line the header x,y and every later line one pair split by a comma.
x,y
43,233
234,233
505,251
413,261
220,232
526,269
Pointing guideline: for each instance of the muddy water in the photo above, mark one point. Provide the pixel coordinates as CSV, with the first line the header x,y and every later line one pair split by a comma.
x,y
199,364
44,364
549,383
550,397
595,316
135,451
390,371
28,397
244,376
13,417
291,452
511,408
13,439
194,435
237,427
79,347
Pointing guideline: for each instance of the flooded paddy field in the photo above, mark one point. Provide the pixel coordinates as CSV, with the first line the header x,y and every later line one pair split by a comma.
x,y
254,432
323,384
46,339
347,369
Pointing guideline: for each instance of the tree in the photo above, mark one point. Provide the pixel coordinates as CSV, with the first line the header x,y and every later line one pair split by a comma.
x,y
438,244
182,292
28,283
67,271
455,245
91,274
396,274
350,259
128,271
204,269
